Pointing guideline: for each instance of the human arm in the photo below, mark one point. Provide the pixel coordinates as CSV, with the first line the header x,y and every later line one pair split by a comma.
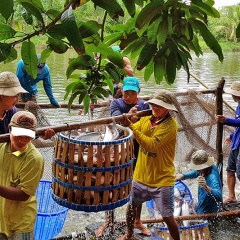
x,y
48,134
13,193
128,68
48,85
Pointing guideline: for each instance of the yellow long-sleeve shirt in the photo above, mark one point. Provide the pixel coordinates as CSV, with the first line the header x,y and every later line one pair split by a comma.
x,y
155,163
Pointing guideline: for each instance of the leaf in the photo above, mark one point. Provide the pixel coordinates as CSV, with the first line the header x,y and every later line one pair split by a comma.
x,y
5,51
148,13
27,17
6,8
81,62
159,69
71,31
52,13
86,103
69,89
29,57
162,32
12,56
153,31
114,72
238,31
206,8
35,8
57,45
148,70
111,6
88,28
110,84
6,31
102,91
130,6
45,54
56,31
171,66
208,38
147,53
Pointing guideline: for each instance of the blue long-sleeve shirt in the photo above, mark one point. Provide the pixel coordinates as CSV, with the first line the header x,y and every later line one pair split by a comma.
x,y
6,120
30,84
234,122
118,106
208,202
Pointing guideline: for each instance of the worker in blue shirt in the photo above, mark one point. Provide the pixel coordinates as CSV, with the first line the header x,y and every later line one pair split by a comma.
x,y
209,182
30,84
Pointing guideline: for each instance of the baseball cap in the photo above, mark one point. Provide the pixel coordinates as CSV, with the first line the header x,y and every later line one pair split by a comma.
x,y
116,49
40,65
23,123
163,98
131,83
10,85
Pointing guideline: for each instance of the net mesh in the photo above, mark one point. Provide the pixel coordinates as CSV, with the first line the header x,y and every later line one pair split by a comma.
x,y
197,126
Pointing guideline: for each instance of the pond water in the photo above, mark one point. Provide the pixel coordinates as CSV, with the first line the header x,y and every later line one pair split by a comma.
x,y
207,68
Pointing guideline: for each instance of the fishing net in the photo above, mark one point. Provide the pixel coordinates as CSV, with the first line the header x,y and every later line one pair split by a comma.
x,y
196,121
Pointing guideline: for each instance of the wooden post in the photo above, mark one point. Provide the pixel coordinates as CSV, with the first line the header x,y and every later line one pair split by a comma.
x,y
219,111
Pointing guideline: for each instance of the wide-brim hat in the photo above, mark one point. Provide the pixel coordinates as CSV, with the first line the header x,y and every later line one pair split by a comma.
x,y
201,160
163,98
234,89
10,85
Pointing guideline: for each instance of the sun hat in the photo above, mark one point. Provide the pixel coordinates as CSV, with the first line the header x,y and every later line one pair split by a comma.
x,y
131,83
40,65
200,160
234,89
10,85
23,123
163,98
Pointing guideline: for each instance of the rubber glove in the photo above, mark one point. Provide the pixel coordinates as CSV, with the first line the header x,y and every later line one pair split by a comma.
x,y
179,177
202,182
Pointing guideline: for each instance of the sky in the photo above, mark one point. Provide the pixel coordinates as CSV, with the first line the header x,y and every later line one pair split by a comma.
x,y
221,3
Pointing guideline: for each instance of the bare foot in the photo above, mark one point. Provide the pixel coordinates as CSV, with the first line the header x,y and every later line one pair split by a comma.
x,y
230,200
100,231
143,229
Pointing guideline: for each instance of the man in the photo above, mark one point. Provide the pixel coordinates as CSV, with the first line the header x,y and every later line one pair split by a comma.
x,y
233,165
10,89
21,170
128,70
209,182
30,84
128,103
153,176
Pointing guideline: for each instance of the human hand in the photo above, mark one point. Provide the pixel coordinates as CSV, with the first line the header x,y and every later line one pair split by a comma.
x,y
178,177
228,140
220,118
202,182
126,120
48,133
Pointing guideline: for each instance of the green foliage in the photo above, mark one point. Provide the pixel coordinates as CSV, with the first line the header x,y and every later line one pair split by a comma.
x,y
160,33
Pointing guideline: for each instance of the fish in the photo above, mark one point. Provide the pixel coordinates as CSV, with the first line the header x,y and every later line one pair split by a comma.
x,y
185,212
111,133
177,208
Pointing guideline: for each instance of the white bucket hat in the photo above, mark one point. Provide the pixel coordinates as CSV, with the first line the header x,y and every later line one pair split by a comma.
x,y
201,160
164,99
234,89
10,85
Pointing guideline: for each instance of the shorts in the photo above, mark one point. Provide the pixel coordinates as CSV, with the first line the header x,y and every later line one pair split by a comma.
x,y
233,164
162,196
18,236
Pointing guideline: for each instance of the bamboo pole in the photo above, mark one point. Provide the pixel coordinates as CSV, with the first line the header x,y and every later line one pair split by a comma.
x,y
207,87
72,126
234,213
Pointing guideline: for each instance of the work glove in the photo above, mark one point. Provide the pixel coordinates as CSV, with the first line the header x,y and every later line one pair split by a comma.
x,y
179,177
202,182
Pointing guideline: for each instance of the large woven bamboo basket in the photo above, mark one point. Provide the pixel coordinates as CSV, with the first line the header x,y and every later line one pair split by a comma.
x,y
92,176
198,231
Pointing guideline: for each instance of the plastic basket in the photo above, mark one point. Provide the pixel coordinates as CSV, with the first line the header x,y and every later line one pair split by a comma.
x,y
184,190
50,216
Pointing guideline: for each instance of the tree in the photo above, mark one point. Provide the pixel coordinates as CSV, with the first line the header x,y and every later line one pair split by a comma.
x,y
161,33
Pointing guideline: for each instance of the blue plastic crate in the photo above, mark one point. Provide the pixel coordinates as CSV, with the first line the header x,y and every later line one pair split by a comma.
x,y
184,190
51,216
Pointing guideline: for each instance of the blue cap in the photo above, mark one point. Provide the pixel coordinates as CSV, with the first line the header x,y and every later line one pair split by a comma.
x,y
131,83
116,49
